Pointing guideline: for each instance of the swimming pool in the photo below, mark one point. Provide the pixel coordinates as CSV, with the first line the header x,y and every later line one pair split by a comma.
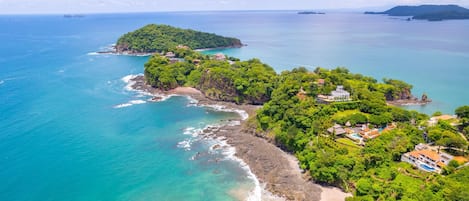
x,y
426,167
355,136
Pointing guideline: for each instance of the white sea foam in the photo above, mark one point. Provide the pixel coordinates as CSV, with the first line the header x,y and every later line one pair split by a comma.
x,y
202,133
105,53
130,103
140,93
123,105
135,102
189,130
244,115
196,132
192,101
227,151
185,144
128,80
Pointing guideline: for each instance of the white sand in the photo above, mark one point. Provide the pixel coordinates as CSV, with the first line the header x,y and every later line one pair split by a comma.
x,y
333,194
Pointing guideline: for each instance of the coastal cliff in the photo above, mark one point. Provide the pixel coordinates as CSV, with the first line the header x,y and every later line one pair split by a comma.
x,y
292,118
219,78
401,94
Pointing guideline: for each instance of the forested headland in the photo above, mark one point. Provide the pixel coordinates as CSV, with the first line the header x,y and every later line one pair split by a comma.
x,y
294,118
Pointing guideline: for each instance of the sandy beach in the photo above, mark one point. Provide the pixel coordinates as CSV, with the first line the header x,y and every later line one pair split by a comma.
x,y
276,170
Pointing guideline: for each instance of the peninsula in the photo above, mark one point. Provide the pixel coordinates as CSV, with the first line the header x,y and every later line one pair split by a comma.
x,y
428,12
336,123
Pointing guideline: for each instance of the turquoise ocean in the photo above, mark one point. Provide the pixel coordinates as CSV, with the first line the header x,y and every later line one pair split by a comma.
x,y
71,130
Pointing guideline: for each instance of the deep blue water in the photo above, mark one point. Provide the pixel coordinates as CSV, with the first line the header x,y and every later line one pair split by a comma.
x,y
62,137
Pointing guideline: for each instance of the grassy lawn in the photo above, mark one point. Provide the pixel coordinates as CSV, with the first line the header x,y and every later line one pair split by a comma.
x,y
347,143
345,113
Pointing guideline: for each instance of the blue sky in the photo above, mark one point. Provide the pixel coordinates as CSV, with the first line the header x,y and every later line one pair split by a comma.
x,y
98,6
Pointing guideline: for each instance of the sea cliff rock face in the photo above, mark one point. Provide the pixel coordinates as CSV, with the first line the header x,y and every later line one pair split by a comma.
x,y
404,94
122,47
218,87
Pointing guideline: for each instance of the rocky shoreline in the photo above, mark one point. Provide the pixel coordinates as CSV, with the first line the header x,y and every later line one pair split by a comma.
x,y
410,100
112,50
277,170
407,102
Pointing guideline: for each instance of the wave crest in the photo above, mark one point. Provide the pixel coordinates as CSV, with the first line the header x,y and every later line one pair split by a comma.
x,y
130,103
226,150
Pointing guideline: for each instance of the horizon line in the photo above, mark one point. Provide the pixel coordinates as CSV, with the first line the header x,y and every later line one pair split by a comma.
x,y
361,9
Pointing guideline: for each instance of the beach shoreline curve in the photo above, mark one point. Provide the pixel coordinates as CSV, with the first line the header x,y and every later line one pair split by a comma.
x,y
277,171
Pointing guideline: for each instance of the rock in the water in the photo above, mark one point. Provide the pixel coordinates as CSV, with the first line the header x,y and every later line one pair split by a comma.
x,y
425,98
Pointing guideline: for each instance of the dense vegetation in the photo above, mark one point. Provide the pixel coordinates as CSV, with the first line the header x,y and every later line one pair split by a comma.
x,y
156,38
428,12
373,172
235,81
293,118
297,123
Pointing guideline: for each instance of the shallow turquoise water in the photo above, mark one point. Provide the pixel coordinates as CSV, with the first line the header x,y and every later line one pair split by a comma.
x,y
61,137
432,56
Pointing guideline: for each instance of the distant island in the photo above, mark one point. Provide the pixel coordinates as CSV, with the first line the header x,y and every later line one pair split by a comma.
x,y
157,38
73,16
428,12
342,127
310,13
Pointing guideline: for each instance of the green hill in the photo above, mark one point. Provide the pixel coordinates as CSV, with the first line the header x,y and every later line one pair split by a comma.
x,y
157,38
428,12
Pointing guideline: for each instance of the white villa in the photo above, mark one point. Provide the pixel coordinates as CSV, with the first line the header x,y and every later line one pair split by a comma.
x,y
426,159
338,95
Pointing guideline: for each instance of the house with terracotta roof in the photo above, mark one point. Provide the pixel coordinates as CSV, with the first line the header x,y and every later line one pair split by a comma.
x,y
182,47
321,82
337,130
219,57
170,55
302,94
370,133
434,120
426,159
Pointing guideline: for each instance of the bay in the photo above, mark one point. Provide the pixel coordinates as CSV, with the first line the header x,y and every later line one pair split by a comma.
x,y
63,135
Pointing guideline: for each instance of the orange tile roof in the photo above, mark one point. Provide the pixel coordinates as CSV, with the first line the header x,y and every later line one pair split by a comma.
x,y
444,117
460,159
441,164
430,154
415,154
